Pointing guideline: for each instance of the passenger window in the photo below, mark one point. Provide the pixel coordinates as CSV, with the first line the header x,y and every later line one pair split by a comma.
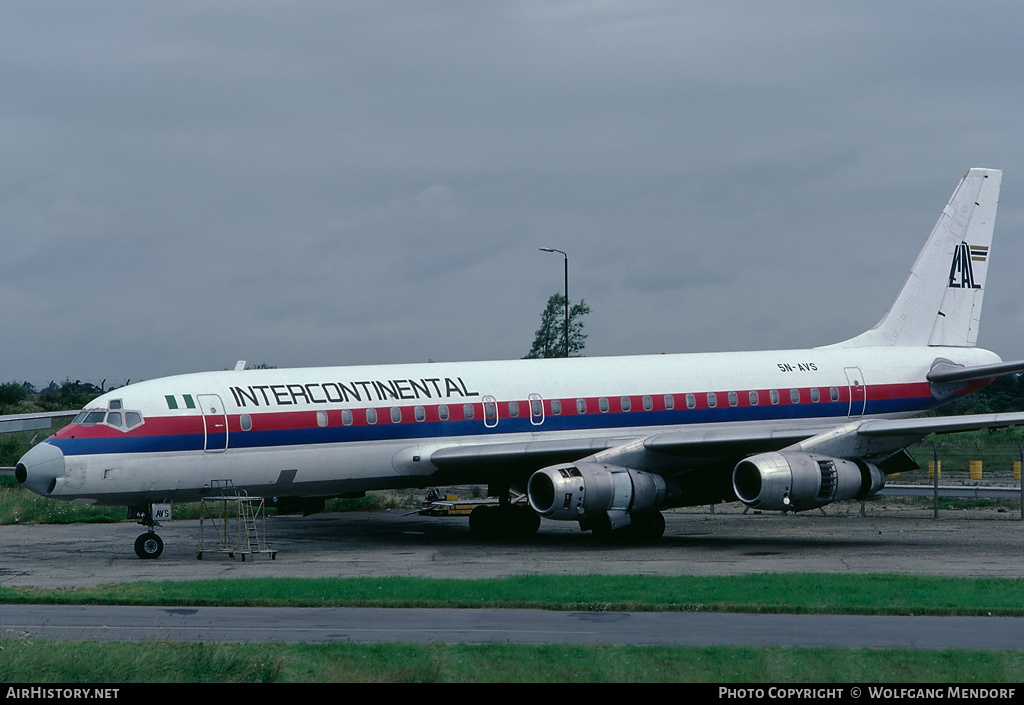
x,y
602,405
536,408
691,401
490,410
346,417
712,400
624,401
833,393
581,406
396,414
420,413
733,399
670,402
794,396
774,396
245,421
467,412
648,404
442,412
556,407
753,397
815,396
371,416
513,409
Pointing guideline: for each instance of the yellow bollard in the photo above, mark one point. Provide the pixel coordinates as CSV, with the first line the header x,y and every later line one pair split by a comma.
x,y
1016,469
931,469
975,470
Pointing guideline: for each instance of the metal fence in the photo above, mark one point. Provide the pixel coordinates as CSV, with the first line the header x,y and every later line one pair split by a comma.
x,y
976,481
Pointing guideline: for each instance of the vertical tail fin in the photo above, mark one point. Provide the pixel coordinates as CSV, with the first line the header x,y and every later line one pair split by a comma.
x,y
940,303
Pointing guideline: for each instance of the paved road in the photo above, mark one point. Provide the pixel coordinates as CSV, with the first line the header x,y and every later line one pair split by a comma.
x,y
481,626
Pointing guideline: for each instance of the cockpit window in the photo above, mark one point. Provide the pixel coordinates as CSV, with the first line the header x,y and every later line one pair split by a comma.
x,y
94,417
121,420
114,404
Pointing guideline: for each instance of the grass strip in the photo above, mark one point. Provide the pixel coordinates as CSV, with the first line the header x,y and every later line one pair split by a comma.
x,y
791,593
41,661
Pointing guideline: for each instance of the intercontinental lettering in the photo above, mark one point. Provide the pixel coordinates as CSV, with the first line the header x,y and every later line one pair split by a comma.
x,y
343,392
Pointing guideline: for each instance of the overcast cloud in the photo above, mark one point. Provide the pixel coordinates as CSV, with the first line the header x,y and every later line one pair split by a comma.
x,y
316,183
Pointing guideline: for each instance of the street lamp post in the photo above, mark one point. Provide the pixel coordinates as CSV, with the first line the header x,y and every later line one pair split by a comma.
x,y
551,249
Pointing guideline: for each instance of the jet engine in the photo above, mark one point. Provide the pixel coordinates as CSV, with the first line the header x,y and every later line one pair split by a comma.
x,y
798,481
575,491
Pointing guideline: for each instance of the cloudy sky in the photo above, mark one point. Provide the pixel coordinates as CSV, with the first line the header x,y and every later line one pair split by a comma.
x,y
186,184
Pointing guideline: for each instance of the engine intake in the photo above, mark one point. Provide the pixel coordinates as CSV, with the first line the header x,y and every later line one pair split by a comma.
x,y
573,491
798,481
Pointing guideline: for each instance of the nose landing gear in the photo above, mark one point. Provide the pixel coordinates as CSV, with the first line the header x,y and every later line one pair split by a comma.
x,y
149,544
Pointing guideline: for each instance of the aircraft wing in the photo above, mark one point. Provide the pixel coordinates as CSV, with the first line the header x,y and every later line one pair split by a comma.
x,y
529,454
861,438
873,438
31,422
653,451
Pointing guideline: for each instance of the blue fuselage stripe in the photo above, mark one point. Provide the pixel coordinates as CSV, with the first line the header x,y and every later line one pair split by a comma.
x,y
411,430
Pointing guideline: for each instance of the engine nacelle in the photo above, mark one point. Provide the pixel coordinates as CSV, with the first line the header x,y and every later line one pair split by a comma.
x,y
797,481
573,491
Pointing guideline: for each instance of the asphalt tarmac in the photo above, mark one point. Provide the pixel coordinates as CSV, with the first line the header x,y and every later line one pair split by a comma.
x,y
396,543
977,543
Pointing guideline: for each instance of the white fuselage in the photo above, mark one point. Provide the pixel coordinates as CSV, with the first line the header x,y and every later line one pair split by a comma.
x,y
321,432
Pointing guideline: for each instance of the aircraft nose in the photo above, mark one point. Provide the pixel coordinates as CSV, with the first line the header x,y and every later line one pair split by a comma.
x,y
41,469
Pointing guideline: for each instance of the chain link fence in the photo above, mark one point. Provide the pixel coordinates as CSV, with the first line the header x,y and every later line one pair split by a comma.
x,y
976,481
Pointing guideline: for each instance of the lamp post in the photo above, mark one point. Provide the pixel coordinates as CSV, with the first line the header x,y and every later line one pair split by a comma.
x,y
551,249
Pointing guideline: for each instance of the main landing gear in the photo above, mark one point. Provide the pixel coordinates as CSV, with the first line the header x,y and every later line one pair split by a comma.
x,y
513,521
509,520
149,544
644,527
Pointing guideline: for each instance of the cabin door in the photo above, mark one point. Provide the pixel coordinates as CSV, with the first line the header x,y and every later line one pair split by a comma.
x,y
215,422
858,391
490,412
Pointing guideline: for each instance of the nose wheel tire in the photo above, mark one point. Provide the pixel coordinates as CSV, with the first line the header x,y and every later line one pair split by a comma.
x,y
149,545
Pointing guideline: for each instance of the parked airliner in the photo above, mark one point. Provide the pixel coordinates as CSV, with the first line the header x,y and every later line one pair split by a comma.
x,y
606,442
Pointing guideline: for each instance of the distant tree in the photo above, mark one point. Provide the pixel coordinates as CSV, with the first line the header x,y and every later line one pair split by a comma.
x,y
11,394
69,395
549,341
12,447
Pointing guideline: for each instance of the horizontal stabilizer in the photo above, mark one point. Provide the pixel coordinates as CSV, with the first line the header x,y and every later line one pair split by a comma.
x,y
944,372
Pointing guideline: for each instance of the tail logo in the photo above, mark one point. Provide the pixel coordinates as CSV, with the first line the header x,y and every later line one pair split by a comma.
x,y
961,272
